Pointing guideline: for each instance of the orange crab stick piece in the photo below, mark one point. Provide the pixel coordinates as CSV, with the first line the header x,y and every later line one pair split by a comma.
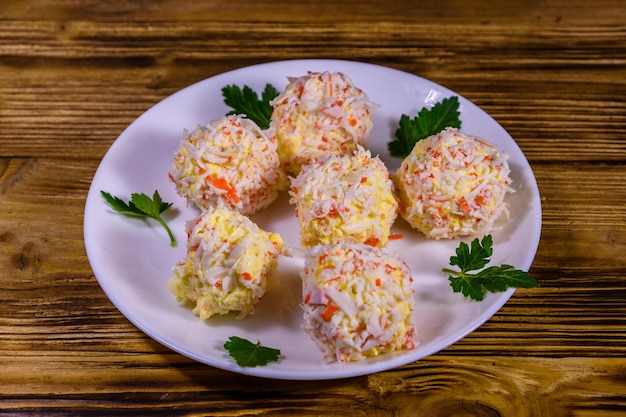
x,y
222,184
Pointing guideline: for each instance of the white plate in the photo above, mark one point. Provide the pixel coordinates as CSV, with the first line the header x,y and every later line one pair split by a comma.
x,y
132,259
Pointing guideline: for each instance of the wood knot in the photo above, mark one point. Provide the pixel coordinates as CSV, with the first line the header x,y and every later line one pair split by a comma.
x,y
6,237
478,409
26,258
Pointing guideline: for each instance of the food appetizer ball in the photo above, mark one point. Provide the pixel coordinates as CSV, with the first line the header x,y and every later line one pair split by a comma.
x,y
228,264
229,162
318,114
344,198
357,301
453,184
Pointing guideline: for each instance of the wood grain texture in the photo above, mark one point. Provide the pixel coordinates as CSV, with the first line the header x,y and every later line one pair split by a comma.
x,y
109,73
74,74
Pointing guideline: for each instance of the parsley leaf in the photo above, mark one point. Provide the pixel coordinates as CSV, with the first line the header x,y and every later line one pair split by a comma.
x,y
141,205
491,279
246,101
248,354
428,122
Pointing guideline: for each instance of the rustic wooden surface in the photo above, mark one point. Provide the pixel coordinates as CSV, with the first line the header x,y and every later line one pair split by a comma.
x,y
74,74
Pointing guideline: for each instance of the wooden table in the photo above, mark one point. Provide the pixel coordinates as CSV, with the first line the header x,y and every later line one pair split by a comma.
x,y
73,75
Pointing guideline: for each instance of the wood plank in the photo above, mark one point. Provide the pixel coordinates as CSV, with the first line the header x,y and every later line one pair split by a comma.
x,y
437,386
50,261
600,12
590,199
88,85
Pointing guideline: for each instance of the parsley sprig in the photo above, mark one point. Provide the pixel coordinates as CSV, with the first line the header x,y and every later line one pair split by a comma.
x,y
491,279
248,354
428,122
141,205
246,101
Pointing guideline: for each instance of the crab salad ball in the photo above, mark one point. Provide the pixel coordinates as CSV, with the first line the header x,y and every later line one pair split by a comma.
x,y
344,198
357,300
228,264
318,114
453,184
230,162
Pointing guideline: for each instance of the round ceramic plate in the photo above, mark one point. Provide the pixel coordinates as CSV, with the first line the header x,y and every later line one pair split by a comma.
x,y
132,258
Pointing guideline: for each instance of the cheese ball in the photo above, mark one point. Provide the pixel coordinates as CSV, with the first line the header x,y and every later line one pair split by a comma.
x,y
229,162
452,185
357,300
228,264
318,114
344,198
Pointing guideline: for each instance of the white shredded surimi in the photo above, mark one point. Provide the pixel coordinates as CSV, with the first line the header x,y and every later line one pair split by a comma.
x,y
453,184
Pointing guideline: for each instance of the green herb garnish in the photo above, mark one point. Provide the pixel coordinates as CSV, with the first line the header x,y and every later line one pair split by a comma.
x,y
491,279
246,101
141,205
428,122
248,354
